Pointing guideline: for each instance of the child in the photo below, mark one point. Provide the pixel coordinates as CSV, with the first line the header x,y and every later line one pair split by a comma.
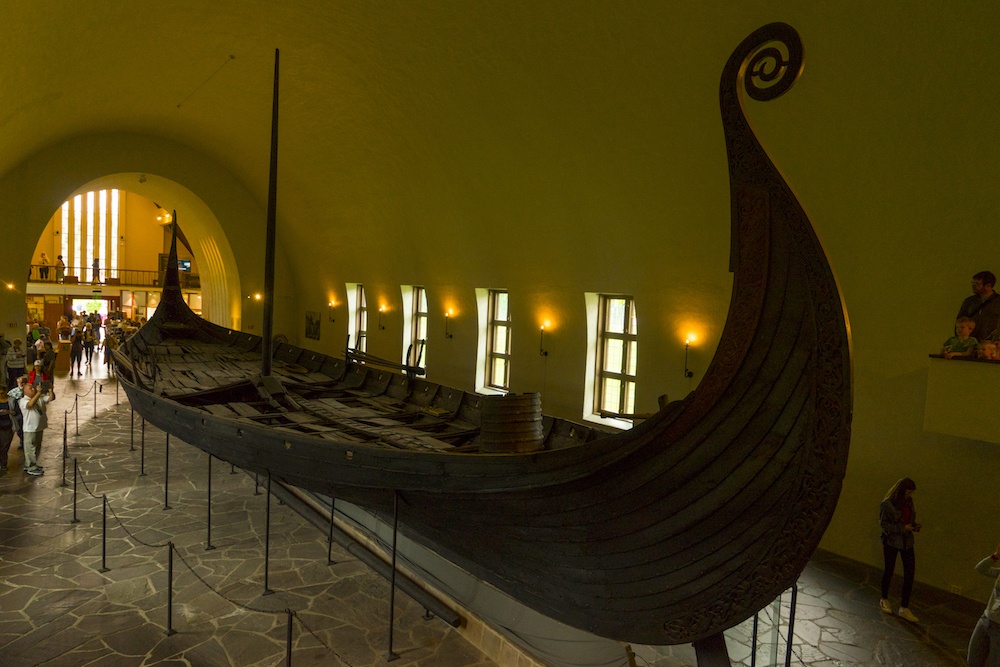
x,y
962,344
987,350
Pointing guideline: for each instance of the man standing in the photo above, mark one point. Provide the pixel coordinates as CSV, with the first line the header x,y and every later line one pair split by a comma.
x,y
6,436
33,407
983,306
15,363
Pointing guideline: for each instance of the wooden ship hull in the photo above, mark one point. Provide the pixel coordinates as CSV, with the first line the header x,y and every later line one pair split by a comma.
x,y
667,533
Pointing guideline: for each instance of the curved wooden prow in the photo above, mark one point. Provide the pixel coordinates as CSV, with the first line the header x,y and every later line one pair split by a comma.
x,y
172,306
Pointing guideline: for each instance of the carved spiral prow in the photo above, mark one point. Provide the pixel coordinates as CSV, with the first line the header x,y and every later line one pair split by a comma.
x,y
766,64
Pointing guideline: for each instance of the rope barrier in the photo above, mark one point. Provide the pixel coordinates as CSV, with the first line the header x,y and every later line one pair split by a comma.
x,y
197,576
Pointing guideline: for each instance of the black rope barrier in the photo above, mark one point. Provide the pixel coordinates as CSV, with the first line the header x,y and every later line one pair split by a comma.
x,y
107,507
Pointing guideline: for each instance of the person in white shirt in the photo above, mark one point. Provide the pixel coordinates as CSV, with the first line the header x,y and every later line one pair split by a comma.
x,y
33,410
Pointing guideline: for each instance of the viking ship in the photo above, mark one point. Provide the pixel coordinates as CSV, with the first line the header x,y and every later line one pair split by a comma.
x,y
669,532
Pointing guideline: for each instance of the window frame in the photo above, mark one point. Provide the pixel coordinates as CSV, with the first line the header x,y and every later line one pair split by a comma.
x,y
418,320
629,356
359,301
493,323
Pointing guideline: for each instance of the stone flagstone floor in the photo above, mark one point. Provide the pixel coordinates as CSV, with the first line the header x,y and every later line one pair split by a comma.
x,y
57,609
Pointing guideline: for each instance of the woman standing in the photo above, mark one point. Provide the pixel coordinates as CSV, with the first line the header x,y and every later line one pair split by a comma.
x,y
76,353
984,647
898,518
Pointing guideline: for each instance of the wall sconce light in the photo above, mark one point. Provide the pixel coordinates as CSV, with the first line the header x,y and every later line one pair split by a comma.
x,y
542,352
381,309
447,318
329,311
687,344
257,296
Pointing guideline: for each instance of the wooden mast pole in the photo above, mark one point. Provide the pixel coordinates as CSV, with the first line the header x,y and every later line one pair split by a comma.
x,y
272,193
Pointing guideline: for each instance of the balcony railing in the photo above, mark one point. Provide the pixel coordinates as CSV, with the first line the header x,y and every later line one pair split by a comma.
x,y
75,275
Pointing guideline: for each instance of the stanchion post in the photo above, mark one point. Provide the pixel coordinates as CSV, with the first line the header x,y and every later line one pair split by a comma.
x,y
170,590
142,454
116,391
131,431
392,583
76,475
208,540
104,534
288,639
329,537
267,534
65,453
76,408
166,476
95,400
65,434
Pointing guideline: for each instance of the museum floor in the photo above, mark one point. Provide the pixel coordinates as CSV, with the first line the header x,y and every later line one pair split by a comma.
x,y
58,609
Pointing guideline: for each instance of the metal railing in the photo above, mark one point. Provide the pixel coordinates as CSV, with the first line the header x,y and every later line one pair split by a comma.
x,y
78,275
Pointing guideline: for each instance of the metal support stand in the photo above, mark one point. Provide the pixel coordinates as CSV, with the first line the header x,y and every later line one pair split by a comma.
x,y
791,624
142,445
131,435
104,534
170,590
267,535
95,399
65,452
76,408
208,540
116,390
166,476
288,639
712,651
391,655
329,537
75,476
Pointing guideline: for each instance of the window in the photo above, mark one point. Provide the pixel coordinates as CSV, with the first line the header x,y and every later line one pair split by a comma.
x,y
358,323
498,341
415,348
616,356
89,231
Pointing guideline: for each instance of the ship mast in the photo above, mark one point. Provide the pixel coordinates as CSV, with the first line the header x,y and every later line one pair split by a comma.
x,y
272,194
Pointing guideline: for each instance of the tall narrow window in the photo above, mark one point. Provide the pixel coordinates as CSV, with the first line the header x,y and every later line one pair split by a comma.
x,y
616,356
416,350
360,320
89,228
498,341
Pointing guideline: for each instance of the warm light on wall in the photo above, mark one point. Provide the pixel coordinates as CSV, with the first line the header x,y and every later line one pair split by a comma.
x,y
381,309
541,339
447,319
329,310
691,338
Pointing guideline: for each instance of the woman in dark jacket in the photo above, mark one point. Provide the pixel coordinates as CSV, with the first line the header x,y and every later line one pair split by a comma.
x,y
76,352
898,518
